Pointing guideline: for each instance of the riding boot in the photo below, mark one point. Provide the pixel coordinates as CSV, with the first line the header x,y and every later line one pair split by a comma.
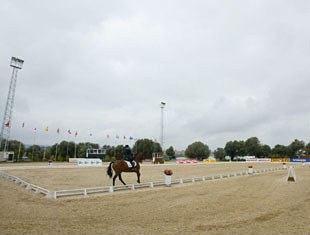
x,y
132,164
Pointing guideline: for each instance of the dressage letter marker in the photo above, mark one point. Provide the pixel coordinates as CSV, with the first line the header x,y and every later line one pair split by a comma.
x,y
291,176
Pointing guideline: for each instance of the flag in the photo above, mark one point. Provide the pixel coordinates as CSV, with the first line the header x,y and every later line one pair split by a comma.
x,y
58,131
76,133
46,128
124,137
131,138
117,137
23,125
108,136
7,124
90,134
69,132
35,129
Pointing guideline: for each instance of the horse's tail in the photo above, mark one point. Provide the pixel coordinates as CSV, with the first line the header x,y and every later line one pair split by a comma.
x,y
109,170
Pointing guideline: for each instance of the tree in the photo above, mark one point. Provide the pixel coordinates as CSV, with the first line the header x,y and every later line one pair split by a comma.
x,y
66,150
109,151
280,151
47,153
118,150
198,150
146,147
296,148
308,149
235,148
265,151
35,152
81,149
252,147
170,152
220,154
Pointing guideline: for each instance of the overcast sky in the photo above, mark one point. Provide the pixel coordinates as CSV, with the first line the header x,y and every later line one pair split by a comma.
x,y
227,70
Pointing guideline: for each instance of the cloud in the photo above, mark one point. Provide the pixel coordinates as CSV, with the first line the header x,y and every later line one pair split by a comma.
x,y
227,70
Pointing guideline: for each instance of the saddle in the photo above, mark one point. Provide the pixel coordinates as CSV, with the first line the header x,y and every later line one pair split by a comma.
x,y
129,164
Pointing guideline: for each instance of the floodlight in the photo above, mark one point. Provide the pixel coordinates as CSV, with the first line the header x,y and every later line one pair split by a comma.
x,y
16,63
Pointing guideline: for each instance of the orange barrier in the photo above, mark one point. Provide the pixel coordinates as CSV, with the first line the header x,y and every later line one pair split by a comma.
x,y
209,160
280,160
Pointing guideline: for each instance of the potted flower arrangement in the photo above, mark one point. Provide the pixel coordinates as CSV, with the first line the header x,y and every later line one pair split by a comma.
x,y
250,169
168,173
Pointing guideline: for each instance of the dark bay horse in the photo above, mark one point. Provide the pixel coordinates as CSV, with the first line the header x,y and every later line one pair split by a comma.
x,y
120,166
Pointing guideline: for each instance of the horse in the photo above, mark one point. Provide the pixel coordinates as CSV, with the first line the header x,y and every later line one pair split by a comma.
x,y
120,166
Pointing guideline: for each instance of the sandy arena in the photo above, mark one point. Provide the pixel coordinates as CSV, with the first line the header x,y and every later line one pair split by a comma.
x,y
258,204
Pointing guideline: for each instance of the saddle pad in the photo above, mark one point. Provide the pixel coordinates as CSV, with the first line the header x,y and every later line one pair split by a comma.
x,y
129,165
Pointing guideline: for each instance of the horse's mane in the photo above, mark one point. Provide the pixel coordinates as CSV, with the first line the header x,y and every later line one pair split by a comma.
x,y
138,157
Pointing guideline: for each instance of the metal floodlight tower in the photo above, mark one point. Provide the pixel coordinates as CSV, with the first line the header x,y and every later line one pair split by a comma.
x,y
16,64
162,106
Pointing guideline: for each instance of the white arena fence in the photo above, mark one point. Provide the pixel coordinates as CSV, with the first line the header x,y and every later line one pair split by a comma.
x,y
27,185
111,189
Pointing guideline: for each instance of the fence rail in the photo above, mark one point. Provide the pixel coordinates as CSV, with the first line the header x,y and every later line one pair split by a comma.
x,y
25,184
110,189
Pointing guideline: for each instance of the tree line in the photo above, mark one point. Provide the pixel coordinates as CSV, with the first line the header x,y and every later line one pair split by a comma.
x,y
64,150
146,147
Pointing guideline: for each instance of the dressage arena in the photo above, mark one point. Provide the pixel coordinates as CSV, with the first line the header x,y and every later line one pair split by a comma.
x,y
210,199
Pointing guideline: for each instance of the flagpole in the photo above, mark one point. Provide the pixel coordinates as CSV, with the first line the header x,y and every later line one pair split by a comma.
x,y
57,145
34,141
116,137
5,145
75,144
69,133
56,152
114,148
74,149
44,153
46,129
67,150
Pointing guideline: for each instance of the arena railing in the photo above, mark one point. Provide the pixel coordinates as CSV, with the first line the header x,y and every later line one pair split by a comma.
x,y
110,189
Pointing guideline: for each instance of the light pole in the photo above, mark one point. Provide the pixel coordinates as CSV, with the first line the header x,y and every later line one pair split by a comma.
x,y
16,64
162,106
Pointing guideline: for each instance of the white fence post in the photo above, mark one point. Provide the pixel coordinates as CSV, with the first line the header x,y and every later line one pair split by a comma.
x,y
111,189
51,195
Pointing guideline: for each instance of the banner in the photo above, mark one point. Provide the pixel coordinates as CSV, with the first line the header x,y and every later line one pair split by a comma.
x,y
301,160
304,156
259,160
188,161
89,162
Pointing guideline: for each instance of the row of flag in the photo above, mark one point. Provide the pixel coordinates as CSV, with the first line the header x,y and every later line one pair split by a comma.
x,y
69,132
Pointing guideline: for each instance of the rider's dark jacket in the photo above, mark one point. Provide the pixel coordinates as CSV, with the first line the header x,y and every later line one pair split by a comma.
x,y
127,154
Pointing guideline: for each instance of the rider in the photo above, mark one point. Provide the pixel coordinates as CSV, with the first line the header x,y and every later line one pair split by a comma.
x,y
128,155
